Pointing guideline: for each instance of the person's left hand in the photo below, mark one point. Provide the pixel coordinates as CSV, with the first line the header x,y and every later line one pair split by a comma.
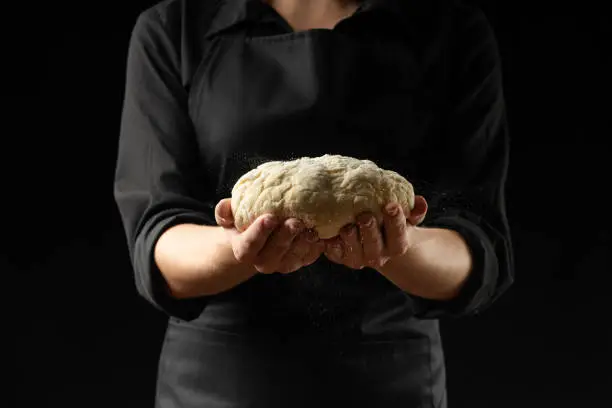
x,y
368,244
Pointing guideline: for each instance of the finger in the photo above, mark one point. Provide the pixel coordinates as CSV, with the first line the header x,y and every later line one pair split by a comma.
x,y
249,243
223,213
279,243
292,260
315,252
334,249
353,257
396,237
289,266
418,213
304,243
225,223
371,239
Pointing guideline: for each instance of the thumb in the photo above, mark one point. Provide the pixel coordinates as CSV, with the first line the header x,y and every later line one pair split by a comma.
x,y
417,214
223,213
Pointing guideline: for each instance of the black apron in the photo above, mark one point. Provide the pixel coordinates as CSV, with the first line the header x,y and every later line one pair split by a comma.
x,y
205,367
324,336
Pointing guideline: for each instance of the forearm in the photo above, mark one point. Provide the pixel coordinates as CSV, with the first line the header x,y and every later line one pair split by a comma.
x,y
435,267
198,260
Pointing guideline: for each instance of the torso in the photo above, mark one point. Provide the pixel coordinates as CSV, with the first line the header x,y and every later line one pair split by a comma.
x,y
265,93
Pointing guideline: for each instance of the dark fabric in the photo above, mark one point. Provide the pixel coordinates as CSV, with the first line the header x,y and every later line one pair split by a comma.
x,y
215,88
204,367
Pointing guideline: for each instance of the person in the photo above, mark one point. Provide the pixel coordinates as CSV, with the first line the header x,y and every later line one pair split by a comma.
x,y
274,316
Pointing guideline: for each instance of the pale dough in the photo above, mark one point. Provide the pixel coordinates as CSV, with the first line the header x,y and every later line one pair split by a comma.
x,y
325,192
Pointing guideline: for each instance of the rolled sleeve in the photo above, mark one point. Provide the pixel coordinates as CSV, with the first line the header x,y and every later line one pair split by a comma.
x,y
159,178
149,280
467,194
488,279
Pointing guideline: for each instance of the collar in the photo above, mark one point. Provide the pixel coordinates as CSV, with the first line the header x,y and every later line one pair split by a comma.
x,y
230,13
233,12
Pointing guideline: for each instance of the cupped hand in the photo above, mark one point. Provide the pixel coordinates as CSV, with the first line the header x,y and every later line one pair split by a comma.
x,y
270,244
369,244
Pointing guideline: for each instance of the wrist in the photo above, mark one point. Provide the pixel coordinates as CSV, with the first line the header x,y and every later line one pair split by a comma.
x,y
434,267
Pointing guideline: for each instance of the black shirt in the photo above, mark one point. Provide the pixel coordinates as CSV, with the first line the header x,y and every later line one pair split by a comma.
x,y
215,88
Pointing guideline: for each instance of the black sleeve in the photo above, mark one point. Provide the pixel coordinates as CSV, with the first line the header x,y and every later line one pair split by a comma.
x,y
159,180
472,163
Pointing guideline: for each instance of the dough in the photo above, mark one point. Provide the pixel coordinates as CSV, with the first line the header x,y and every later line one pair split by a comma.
x,y
325,192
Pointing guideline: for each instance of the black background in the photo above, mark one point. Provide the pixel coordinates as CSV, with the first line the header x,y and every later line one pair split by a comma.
x,y
83,338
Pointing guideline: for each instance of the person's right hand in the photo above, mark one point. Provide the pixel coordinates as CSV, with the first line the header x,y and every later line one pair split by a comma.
x,y
270,244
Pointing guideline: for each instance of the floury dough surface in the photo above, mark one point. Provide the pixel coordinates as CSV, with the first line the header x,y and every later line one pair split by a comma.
x,y
325,192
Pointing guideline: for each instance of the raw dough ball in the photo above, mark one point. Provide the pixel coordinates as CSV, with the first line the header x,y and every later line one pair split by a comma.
x,y
324,192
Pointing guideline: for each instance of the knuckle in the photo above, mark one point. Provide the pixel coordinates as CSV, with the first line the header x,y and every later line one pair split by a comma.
x,y
301,251
292,226
291,230
282,245
369,234
399,227
301,243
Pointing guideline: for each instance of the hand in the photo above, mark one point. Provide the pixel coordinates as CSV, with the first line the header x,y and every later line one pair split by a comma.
x,y
270,244
364,244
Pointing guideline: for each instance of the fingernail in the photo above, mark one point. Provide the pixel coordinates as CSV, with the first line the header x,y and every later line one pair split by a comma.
x,y
392,209
270,222
368,222
295,228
